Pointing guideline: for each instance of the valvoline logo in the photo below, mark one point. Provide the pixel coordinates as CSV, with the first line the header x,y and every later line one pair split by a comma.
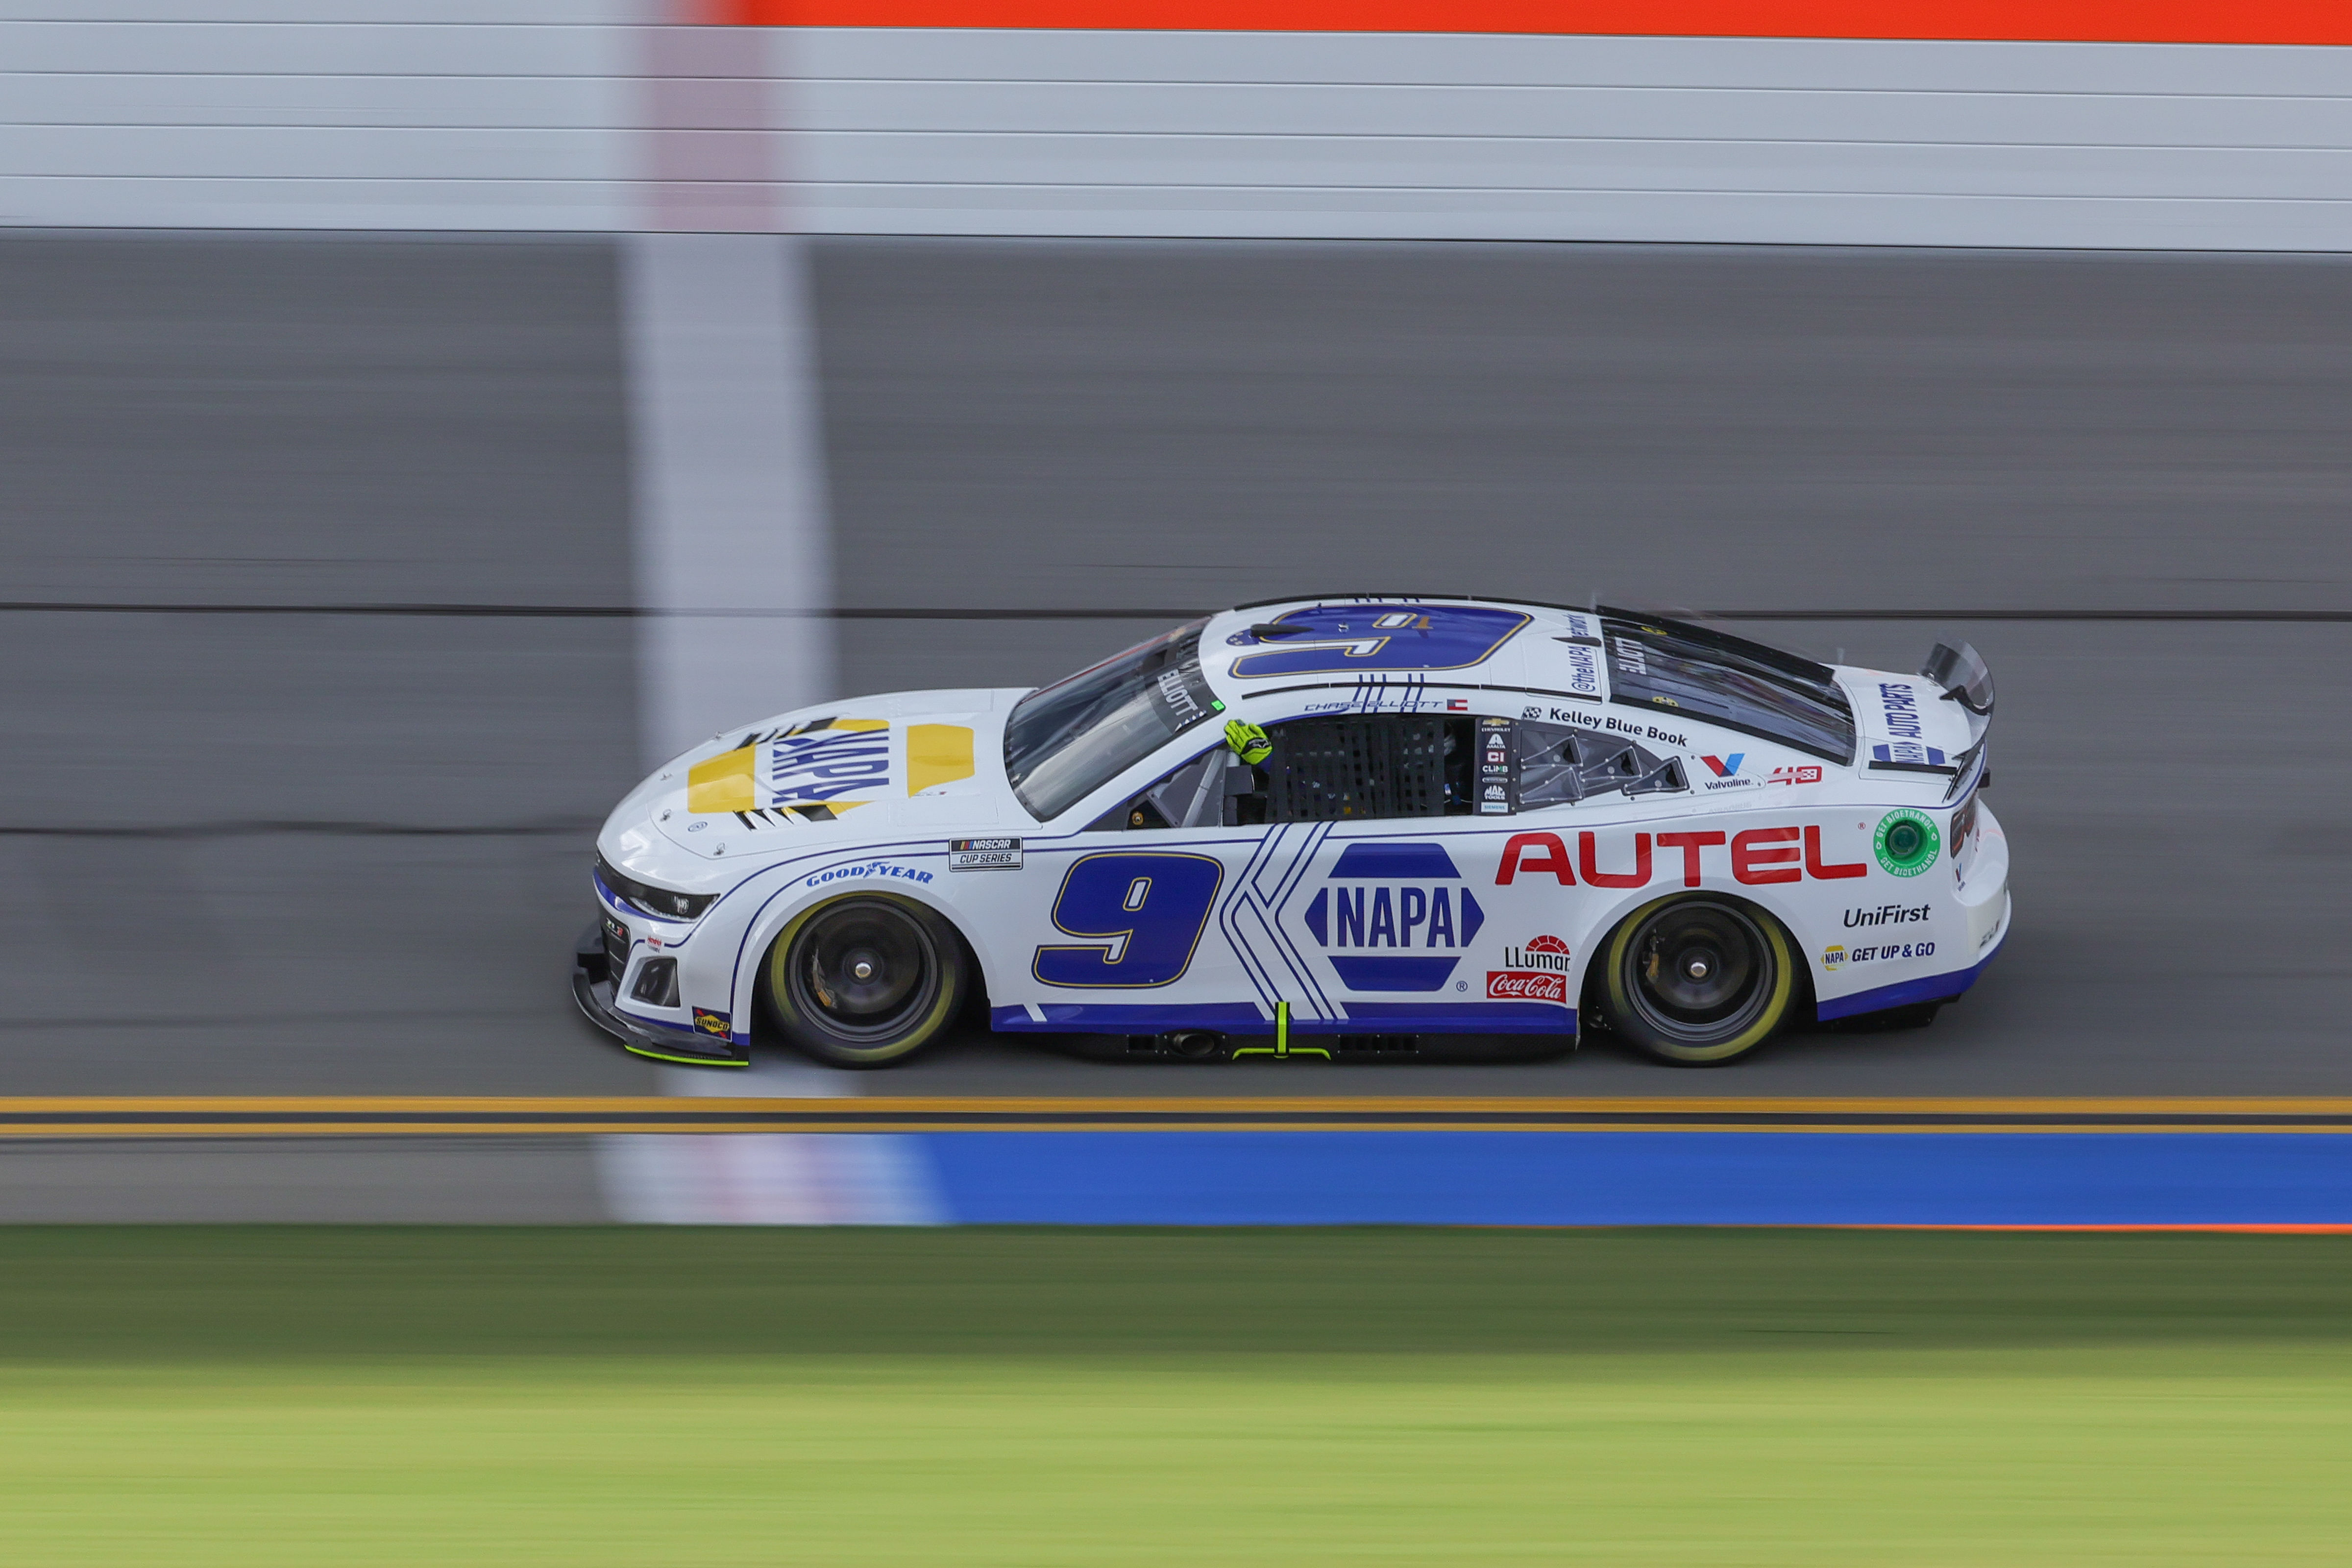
x,y
1723,767
1394,917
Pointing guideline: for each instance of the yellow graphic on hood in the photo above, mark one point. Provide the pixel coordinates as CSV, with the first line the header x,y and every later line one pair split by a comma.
x,y
723,782
818,770
937,754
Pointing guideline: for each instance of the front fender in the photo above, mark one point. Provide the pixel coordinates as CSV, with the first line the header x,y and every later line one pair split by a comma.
x,y
736,947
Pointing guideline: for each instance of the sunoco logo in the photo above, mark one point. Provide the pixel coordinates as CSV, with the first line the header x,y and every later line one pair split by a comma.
x,y
1543,952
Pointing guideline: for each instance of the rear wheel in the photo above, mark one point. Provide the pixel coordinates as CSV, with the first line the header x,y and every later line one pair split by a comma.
x,y
865,981
1698,981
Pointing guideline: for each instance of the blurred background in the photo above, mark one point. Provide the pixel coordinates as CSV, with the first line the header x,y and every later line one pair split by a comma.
x,y
417,418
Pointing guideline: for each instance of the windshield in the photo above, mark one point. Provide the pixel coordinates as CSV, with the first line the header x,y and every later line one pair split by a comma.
x,y
1065,740
1728,681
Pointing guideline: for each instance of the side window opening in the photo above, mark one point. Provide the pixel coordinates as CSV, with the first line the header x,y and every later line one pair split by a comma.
x,y
1339,769
1191,796
1345,769
1354,767
1559,766
1351,768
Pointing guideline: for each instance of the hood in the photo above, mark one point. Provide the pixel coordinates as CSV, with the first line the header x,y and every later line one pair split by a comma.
x,y
930,760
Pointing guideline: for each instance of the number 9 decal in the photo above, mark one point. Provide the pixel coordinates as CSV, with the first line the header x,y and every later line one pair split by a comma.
x,y
1141,916
1344,639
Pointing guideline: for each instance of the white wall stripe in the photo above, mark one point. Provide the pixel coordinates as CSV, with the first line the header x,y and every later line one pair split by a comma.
x,y
728,467
768,1178
583,114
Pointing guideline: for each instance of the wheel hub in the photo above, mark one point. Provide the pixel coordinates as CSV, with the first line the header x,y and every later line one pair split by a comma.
x,y
866,967
1699,970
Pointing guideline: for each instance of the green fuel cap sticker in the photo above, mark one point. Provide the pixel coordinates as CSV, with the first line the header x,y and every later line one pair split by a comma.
x,y
1906,842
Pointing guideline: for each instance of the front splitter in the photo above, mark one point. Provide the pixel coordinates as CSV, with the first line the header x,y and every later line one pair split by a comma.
x,y
593,988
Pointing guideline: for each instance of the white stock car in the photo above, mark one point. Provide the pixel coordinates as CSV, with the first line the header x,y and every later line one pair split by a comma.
x,y
1382,827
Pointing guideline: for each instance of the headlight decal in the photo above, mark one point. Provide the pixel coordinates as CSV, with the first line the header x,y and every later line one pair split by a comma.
x,y
662,903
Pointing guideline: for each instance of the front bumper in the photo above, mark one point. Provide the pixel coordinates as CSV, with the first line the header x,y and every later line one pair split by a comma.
x,y
591,987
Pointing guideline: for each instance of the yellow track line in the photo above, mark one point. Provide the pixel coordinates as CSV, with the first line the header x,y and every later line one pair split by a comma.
x,y
151,1129
1231,1105
225,1116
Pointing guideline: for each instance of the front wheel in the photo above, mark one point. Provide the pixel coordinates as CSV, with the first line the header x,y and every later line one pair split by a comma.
x,y
1698,981
865,981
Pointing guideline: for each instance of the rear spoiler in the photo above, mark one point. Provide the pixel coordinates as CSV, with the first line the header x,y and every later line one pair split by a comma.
x,y
1959,673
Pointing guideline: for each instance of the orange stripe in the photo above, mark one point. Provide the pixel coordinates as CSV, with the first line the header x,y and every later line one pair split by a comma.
x,y
2042,21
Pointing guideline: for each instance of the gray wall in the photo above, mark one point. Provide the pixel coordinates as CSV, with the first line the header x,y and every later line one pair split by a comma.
x,y
570,115
1467,137
308,852
261,843
1072,426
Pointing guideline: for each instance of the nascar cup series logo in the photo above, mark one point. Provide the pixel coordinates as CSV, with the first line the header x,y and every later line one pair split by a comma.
x,y
1535,972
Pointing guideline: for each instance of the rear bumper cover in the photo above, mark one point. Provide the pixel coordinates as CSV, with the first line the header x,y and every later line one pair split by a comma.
x,y
592,988
1928,988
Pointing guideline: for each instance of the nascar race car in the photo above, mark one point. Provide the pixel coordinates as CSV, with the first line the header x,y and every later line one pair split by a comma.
x,y
1380,825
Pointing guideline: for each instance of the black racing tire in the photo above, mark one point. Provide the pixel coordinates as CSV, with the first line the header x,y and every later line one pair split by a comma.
x,y
1698,981
865,981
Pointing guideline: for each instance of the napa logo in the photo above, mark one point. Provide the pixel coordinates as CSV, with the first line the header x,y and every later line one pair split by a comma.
x,y
850,757
1394,917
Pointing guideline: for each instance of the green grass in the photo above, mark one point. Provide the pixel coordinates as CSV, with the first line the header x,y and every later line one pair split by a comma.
x,y
1020,1398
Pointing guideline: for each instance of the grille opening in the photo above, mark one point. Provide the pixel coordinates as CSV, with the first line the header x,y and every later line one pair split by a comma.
x,y
656,984
617,951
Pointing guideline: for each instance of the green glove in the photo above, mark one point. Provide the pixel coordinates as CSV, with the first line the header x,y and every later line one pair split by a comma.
x,y
1248,742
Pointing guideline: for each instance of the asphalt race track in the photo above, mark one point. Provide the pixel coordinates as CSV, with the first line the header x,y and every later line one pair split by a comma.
x,y
262,845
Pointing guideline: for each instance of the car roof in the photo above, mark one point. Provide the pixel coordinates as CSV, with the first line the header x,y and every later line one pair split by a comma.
x,y
1527,659
1402,652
